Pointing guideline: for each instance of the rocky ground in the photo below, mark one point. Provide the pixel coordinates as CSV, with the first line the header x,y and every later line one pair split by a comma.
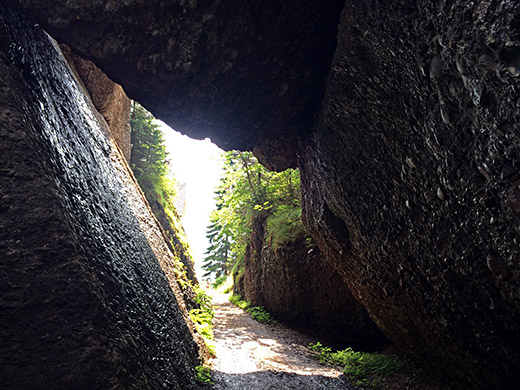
x,y
251,355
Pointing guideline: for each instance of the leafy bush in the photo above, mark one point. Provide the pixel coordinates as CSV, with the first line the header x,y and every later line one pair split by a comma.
x,y
203,318
236,299
203,375
203,322
258,313
203,300
359,365
284,224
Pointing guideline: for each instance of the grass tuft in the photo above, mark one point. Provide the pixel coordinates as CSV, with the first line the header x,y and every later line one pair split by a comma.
x,y
258,313
203,318
362,368
203,375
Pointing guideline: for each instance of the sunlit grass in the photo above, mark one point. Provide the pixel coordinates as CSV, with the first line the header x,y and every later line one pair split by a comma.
x,y
258,313
203,318
362,368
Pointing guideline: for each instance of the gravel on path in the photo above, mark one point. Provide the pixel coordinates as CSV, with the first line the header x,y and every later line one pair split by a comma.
x,y
251,355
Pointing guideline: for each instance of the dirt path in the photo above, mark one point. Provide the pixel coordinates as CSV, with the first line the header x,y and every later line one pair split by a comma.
x,y
251,355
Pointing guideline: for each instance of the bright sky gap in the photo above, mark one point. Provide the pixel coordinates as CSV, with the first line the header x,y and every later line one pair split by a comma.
x,y
197,163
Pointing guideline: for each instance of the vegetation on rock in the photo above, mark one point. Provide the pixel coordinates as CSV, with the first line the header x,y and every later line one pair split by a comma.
x,y
248,189
202,318
203,375
153,173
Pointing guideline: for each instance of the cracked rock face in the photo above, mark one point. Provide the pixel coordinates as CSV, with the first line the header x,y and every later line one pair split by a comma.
x,y
411,179
245,74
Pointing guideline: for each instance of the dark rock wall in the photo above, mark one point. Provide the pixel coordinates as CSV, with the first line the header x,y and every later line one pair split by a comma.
x,y
86,296
411,179
114,106
245,74
50,303
298,286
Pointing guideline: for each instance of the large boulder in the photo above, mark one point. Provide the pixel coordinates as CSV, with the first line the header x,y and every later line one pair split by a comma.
x,y
411,179
88,294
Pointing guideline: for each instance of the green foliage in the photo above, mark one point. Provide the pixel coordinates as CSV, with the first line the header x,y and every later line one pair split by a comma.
x,y
361,367
148,160
203,300
258,313
203,375
284,224
246,190
227,286
203,322
219,281
203,318
218,255
238,270
236,299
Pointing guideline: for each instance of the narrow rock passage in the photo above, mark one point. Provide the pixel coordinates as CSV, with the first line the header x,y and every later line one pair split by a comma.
x,y
251,355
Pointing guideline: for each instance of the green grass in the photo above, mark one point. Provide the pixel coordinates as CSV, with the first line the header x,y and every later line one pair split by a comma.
x,y
362,368
203,322
236,299
203,375
258,313
203,318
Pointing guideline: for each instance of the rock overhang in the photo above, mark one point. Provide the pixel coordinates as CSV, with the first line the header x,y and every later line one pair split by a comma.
x,y
248,75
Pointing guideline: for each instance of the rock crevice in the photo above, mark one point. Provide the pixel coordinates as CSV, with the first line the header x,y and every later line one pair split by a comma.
x,y
297,285
407,143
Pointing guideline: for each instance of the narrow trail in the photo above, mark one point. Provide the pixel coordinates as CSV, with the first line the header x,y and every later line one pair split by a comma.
x,y
251,355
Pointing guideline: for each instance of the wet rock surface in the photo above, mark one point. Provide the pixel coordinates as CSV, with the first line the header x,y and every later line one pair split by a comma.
x,y
244,74
87,298
411,176
299,287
